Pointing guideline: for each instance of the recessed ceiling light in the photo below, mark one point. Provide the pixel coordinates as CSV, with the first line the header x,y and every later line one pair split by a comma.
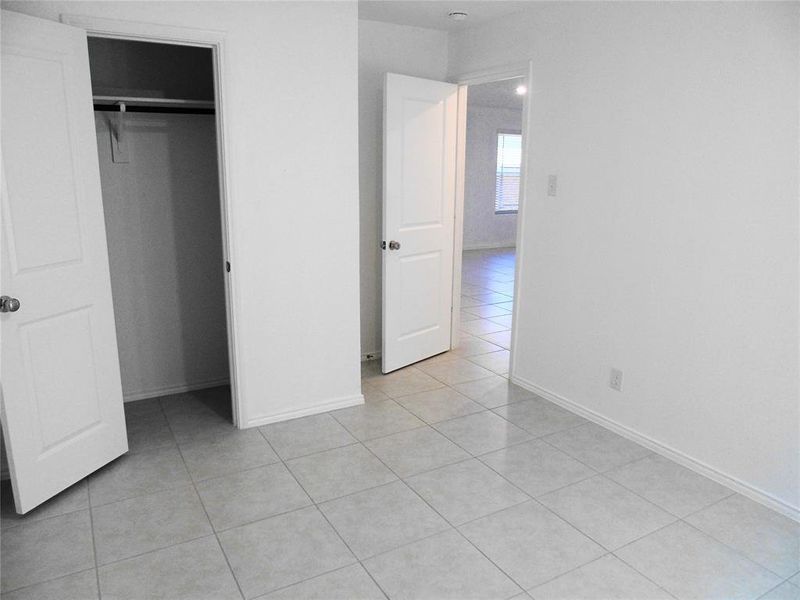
x,y
458,15
521,90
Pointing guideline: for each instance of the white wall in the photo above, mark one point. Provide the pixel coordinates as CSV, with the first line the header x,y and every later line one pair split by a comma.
x,y
291,73
482,227
382,48
163,229
671,251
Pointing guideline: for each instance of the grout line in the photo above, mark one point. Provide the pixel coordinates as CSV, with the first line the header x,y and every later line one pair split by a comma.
x,y
205,511
49,580
324,516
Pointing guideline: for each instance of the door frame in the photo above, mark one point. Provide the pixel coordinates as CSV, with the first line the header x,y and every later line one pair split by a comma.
x,y
214,40
492,74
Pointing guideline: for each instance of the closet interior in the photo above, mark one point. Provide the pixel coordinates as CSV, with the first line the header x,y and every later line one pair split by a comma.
x,y
156,138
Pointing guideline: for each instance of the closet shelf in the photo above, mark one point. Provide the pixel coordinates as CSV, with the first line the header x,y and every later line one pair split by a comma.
x,y
153,102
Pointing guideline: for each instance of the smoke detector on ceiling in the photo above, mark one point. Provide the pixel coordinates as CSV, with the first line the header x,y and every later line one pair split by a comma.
x,y
458,15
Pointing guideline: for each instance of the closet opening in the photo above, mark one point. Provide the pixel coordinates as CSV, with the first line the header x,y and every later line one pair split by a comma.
x,y
157,140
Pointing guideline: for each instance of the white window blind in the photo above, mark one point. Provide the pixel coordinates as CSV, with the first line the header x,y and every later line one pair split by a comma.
x,y
509,159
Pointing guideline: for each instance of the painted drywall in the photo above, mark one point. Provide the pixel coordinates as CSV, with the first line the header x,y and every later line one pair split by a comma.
x,y
291,103
671,250
144,69
163,229
383,48
482,227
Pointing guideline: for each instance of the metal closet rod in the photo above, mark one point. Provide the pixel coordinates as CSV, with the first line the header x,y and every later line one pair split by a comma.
x,y
153,105
157,109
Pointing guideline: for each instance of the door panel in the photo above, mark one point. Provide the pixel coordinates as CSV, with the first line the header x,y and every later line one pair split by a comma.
x,y
418,212
62,398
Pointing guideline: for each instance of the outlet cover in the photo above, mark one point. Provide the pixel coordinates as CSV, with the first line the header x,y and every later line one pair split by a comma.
x,y
615,381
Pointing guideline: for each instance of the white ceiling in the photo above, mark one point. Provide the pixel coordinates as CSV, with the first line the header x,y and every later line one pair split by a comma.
x,y
433,14
498,93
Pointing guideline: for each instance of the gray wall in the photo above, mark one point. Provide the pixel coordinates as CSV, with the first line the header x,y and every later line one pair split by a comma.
x,y
482,227
165,250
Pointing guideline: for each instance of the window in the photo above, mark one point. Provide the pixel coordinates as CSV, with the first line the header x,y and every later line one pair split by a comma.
x,y
509,159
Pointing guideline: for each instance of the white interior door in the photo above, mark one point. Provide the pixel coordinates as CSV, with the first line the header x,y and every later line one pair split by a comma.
x,y
62,398
419,170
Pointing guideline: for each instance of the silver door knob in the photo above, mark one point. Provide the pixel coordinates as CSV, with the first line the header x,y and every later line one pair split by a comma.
x,y
394,245
8,304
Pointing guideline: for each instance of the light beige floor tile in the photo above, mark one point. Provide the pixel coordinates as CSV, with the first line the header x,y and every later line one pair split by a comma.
x,y
501,338
195,570
80,586
482,327
504,320
456,371
497,362
539,417
530,543
227,454
669,485
482,432
270,554
148,430
349,583
607,512
46,549
689,564
470,346
410,452
467,316
338,472
537,467
470,302
307,435
761,534
409,380
138,474
607,578
598,447
493,297
442,567
487,311
785,591
374,420
464,491
439,405
251,495
74,498
130,527
372,395
381,519
493,392
795,580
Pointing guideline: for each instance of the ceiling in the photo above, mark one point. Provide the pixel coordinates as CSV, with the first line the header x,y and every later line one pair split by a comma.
x,y
497,93
433,14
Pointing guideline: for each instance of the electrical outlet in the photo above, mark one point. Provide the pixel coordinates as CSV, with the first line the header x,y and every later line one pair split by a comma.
x,y
552,185
615,381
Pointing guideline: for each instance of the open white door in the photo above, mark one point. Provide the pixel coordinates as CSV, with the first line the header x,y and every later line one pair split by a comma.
x,y
419,174
62,398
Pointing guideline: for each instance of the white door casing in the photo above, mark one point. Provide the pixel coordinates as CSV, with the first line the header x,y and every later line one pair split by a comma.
x,y
419,176
62,411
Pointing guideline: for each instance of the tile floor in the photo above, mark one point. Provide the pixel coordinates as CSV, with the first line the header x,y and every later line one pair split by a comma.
x,y
449,482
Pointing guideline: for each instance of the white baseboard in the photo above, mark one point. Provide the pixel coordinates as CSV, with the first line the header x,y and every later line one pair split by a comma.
x,y
679,457
490,246
344,402
174,389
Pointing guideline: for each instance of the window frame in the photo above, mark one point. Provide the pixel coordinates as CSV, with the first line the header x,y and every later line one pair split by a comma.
x,y
495,139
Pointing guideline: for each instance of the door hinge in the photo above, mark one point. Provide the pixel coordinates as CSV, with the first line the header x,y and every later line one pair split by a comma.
x,y
228,266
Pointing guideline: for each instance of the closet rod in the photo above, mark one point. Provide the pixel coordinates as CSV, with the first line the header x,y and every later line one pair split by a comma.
x,y
181,110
